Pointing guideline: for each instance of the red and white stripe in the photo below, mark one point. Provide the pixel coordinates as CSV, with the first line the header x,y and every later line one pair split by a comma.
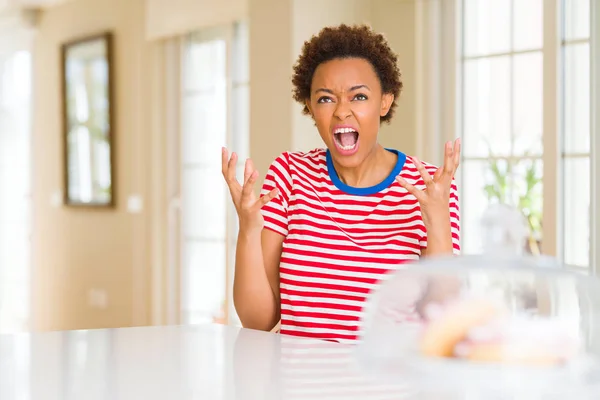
x,y
329,371
338,246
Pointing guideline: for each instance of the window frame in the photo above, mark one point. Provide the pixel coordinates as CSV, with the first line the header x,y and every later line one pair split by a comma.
x,y
173,55
220,33
595,138
551,156
447,42
511,158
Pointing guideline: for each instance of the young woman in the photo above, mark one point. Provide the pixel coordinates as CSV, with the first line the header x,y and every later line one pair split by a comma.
x,y
332,222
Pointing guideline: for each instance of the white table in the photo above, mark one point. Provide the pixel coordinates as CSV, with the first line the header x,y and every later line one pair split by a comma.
x,y
181,362
218,363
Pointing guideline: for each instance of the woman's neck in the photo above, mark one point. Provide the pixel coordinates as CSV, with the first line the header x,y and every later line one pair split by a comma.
x,y
373,170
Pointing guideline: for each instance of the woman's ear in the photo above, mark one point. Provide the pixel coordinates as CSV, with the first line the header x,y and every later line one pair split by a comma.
x,y
386,103
310,111
309,108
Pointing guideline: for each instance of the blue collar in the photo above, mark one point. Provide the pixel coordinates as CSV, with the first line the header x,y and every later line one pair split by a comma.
x,y
367,190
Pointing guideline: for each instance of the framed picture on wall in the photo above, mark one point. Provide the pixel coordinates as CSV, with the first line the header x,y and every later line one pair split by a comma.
x,y
88,135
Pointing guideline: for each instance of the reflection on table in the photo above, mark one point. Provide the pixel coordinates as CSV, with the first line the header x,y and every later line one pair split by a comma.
x,y
214,362
181,362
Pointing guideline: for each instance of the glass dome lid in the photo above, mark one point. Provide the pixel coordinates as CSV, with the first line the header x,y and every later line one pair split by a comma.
x,y
500,322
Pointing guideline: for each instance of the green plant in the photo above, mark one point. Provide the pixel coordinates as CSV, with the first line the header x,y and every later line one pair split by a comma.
x,y
518,187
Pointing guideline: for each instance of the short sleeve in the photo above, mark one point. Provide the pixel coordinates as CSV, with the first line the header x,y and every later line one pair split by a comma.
x,y
275,212
454,220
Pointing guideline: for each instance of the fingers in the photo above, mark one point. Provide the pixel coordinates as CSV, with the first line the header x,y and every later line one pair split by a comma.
x,y
267,197
228,167
248,169
457,144
248,188
451,159
410,188
248,191
231,168
443,175
224,160
438,174
250,177
427,178
243,195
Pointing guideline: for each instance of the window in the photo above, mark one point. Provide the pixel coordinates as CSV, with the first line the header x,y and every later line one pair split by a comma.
x,y
508,128
214,111
502,111
15,205
575,146
239,140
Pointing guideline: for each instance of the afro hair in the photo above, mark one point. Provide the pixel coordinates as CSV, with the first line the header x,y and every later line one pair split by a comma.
x,y
344,41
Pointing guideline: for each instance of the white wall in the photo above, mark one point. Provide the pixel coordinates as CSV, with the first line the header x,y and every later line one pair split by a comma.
x,y
176,17
123,251
277,122
309,17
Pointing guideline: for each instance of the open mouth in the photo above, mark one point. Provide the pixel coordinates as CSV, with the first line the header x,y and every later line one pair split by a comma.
x,y
346,139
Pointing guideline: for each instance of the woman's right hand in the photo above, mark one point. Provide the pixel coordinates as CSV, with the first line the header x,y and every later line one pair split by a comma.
x,y
247,204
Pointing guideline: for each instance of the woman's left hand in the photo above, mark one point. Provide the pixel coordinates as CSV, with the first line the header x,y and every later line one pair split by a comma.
x,y
435,198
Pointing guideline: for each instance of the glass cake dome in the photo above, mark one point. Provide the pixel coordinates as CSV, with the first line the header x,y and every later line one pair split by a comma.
x,y
498,325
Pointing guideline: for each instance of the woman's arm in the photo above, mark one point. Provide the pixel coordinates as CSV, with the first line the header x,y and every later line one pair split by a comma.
x,y
256,279
439,237
260,241
443,237
440,213
439,203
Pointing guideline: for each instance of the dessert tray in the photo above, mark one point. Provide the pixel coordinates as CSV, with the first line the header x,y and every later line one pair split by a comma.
x,y
495,325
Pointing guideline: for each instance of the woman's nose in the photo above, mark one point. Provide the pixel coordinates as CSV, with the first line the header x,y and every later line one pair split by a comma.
x,y
343,111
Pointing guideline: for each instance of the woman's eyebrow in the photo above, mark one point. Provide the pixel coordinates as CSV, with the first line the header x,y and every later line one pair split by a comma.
x,y
353,88
324,90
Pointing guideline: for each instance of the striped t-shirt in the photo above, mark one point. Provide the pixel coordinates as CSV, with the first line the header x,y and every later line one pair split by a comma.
x,y
340,241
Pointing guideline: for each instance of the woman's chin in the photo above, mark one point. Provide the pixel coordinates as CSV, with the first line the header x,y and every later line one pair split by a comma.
x,y
346,161
346,156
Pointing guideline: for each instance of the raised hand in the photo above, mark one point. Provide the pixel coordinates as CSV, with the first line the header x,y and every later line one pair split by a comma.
x,y
246,203
435,198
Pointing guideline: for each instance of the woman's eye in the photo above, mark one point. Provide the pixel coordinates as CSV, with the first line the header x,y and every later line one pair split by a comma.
x,y
361,97
324,99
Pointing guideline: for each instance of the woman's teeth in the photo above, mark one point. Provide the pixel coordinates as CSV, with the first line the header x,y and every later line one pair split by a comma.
x,y
344,130
349,147
346,139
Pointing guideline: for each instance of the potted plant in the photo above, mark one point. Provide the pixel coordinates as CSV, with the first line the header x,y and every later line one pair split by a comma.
x,y
521,189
